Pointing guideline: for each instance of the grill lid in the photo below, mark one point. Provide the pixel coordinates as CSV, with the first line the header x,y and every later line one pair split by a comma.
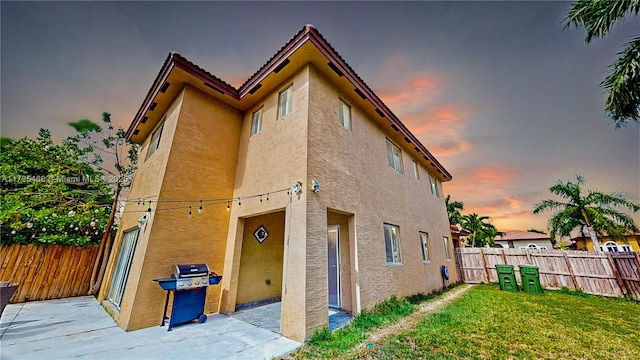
x,y
192,270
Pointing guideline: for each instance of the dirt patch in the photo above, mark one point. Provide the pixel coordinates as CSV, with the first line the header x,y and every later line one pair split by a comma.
x,y
378,336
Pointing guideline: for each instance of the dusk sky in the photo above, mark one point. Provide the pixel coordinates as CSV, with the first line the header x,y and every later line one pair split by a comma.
x,y
505,99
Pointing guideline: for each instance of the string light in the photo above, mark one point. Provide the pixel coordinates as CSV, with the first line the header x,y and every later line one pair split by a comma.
x,y
200,203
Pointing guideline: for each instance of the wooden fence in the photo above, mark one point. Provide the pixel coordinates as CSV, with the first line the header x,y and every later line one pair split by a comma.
x,y
47,272
599,273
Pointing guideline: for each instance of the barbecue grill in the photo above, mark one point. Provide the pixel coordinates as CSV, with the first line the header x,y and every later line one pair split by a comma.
x,y
188,284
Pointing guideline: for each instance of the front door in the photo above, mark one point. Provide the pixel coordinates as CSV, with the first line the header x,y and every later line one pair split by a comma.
x,y
333,246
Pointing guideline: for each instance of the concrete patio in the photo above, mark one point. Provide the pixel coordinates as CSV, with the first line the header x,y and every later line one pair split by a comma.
x,y
79,328
268,317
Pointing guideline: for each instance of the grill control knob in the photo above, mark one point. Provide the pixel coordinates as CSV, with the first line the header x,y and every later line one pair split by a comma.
x,y
189,283
197,282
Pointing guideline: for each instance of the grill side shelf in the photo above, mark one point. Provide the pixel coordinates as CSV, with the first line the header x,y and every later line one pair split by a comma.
x,y
166,283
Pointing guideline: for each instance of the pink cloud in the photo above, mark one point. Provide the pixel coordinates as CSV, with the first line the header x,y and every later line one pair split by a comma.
x,y
411,92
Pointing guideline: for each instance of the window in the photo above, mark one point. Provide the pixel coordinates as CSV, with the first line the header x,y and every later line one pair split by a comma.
x,y
121,273
424,241
285,101
155,140
415,170
434,186
392,243
394,156
345,115
256,122
447,254
626,248
611,246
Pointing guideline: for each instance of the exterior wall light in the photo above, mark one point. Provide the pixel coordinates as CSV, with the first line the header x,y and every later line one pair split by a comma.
x,y
143,220
297,187
315,186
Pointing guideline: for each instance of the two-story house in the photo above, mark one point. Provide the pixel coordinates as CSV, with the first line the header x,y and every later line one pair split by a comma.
x,y
300,186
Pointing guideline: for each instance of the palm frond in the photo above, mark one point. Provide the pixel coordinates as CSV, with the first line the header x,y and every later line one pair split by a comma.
x,y
551,205
610,200
598,16
621,218
623,85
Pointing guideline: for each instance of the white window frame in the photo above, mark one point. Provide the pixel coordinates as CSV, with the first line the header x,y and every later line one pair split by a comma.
x,y
433,183
447,253
345,115
123,266
256,122
155,139
394,156
424,243
612,246
415,169
392,245
285,102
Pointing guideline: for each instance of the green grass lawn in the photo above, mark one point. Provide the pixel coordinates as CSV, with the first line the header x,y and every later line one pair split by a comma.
x,y
486,323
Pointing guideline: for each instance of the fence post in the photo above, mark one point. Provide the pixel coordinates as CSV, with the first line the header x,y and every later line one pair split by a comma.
x,y
459,265
573,276
484,263
614,267
504,257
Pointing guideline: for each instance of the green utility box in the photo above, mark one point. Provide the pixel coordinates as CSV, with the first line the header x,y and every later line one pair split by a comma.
x,y
530,275
507,277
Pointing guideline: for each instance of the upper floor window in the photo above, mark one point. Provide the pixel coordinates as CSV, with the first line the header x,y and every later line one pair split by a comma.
x,y
447,253
392,244
285,102
155,140
345,115
434,186
256,122
424,241
394,156
415,170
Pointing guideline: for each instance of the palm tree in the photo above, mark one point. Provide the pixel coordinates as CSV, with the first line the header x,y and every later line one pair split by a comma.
x,y
594,210
490,232
623,83
478,227
453,210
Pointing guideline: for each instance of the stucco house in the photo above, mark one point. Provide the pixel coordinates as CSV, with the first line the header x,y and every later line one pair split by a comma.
x,y
607,243
299,186
516,239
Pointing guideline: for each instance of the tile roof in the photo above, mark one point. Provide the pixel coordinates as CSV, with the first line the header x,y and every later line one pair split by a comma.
x,y
308,32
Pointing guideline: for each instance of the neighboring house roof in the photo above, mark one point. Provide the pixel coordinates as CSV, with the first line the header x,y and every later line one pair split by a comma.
x,y
182,70
459,230
516,235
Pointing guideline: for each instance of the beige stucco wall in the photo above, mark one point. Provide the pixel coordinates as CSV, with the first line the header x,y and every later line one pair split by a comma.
x,y
214,156
201,167
275,158
260,276
147,182
351,167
